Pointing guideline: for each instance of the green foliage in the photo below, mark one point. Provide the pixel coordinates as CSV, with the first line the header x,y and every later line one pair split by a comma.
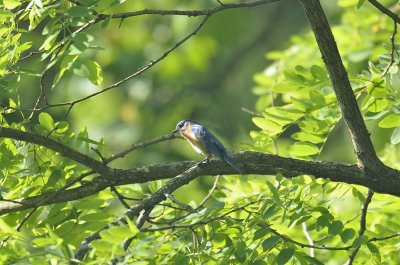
x,y
248,219
300,112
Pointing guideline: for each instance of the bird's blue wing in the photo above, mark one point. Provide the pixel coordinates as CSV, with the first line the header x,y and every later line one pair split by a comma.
x,y
213,145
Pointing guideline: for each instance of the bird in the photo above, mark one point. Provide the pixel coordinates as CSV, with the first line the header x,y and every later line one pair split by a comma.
x,y
204,142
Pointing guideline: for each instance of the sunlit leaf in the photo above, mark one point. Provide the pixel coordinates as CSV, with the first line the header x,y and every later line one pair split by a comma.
x,y
11,4
46,121
303,149
395,138
390,121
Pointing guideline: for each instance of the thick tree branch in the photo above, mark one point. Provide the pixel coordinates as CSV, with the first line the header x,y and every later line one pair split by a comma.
x,y
249,162
365,152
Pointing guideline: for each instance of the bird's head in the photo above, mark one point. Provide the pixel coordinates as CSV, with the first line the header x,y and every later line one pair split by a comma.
x,y
183,125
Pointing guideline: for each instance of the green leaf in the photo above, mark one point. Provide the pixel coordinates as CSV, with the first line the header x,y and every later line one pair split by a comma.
x,y
165,249
66,64
347,234
116,234
270,211
106,21
95,73
267,125
360,3
284,87
78,11
284,256
378,105
377,88
359,241
308,137
390,121
301,104
293,76
335,227
50,39
317,98
376,255
395,138
46,121
357,194
240,252
11,4
318,72
303,149
323,221
274,191
42,241
270,242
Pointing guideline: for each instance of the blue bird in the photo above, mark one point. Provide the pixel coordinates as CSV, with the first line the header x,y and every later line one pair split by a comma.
x,y
204,142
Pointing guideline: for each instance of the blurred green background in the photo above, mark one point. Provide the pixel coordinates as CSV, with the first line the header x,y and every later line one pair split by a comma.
x,y
209,78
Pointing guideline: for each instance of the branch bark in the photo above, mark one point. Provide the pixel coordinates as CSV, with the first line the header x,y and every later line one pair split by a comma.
x,y
64,150
249,162
385,11
360,136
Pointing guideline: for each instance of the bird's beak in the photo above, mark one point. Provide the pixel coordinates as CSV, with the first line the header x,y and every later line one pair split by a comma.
x,y
174,131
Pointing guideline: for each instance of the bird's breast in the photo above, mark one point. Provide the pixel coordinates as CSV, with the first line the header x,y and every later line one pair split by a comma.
x,y
197,144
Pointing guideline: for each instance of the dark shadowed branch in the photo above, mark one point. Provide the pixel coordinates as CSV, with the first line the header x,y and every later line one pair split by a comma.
x,y
359,133
249,162
385,11
363,225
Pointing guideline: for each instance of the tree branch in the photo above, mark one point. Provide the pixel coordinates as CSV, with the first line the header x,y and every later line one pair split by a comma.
x,y
249,162
363,223
137,73
189,13
146,205
384,10
141,145
365,152
64,150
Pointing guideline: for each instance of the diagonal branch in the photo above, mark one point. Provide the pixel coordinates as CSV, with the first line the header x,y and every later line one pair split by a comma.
x,y
140,145
135,74
385,11
64,150
360,136
146,205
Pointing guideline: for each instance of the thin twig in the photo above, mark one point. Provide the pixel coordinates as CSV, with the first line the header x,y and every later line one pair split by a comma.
x,y
146,204
120,197
251,112
393,48
384,238
59,122
384,10
208,196
19,226
135,74
363,221
141,145
183,206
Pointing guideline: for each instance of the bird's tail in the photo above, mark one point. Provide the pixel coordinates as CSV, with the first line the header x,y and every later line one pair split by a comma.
x,y
230,162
